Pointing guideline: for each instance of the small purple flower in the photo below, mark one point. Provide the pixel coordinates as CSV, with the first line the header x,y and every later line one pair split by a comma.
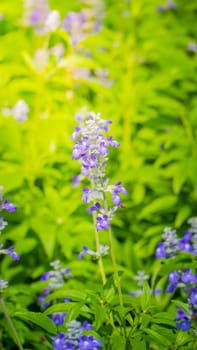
x,y
173,277
58,318
76,181
34,17
137,293
10,207
58,343
86,326
187,276
183,320
45,276
94,207
84,252
112,142
85,196
193,297
160,251
102,222
11,252
74,24
76,133
89,343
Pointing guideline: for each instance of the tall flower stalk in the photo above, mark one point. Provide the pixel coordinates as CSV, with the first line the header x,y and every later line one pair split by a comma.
x,y
9,207
92,149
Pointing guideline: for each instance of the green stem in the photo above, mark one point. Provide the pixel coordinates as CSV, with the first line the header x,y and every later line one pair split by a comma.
x,y
12,327
100,260
113,257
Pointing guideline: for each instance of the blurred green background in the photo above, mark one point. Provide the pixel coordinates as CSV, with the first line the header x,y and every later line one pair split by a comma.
x,y
139,71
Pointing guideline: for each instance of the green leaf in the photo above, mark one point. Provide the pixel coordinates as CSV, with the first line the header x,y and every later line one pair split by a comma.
x,y
38,319
73,294
118,342
162,204
183,213
163,318
157,337
146,296
74,312
100,315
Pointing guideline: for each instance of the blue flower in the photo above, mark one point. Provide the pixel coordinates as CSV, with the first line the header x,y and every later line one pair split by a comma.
x,y
183,320
58,318
10,207
193,297
89,343
85,251
102,222
12,253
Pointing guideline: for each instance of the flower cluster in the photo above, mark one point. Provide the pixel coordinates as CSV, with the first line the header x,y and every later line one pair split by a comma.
x,y
55,279
185,279
75,339
9,207
172,244
141,277
91,149
35,14
74,23
170,5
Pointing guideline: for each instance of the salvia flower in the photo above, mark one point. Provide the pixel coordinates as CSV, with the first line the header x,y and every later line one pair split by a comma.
x,y
9,207
185,278
20,111
103,251
183,321
170,246
58,318
35,14
55,278
91,148
3,284
10,251
74,339
140,277
74,23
